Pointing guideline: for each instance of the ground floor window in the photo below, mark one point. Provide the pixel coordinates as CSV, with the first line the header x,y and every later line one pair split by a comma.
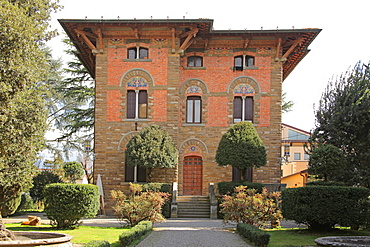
x,y
135,174
237,175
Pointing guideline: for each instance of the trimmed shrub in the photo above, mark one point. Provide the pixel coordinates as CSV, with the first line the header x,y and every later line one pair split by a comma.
x,y
322,207
248,206
66,204
161,187
253,234
229,187
97,243
136,232
325,183
139,206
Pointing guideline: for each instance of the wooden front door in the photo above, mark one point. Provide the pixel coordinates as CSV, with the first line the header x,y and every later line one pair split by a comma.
x,y
193,175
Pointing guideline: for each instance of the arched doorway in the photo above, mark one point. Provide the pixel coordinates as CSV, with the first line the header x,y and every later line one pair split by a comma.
x,y
193,171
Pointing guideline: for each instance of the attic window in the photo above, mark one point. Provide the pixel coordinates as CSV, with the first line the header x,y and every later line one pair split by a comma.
x,y
137,53
243,61
195,61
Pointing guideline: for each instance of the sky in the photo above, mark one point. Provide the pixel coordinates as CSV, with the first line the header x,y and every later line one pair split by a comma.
x,y
343,41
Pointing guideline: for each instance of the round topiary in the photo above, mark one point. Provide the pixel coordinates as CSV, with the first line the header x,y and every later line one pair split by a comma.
x,y
66,204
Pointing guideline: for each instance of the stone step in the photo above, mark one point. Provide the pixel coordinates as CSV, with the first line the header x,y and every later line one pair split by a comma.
x,y
193,207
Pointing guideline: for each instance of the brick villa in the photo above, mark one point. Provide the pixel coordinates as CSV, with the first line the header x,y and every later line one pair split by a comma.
x,y
193,81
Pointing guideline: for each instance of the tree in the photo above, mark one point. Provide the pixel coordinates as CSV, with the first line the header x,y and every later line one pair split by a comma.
x,y
151,148
242,148
326,161
23,29
287,105
39,183
73,171
343,120
72,110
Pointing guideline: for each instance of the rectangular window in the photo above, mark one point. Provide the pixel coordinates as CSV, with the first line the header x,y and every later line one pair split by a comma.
x,y
137,104
194,109
246,104
137,53
195,61
297,156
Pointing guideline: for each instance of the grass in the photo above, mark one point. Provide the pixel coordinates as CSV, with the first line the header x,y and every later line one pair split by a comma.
x,y
81,235
305,237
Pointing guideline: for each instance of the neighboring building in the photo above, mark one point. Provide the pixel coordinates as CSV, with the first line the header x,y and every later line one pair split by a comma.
x,y
193,81
295,160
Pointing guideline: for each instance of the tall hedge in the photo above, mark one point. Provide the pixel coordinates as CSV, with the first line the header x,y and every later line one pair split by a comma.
x,y
66,204
322,207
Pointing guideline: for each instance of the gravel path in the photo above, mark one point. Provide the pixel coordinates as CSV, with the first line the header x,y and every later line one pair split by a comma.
x,y
194,233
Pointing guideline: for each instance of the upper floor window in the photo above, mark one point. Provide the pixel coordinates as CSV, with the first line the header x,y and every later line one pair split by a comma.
x,y
137,104
243,61
195,61
297,156
194,109
137,53
243,109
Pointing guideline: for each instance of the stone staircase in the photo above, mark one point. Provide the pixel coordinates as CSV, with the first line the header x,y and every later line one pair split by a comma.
x,y
193,207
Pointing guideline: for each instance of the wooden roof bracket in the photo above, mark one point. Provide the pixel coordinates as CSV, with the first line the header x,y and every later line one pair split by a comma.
x,y
185,44
246,43
206,44
86,40
278,48
290,50
100,38
136,31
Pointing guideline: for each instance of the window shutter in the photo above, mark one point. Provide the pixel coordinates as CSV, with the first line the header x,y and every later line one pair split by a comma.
x,y
131,101
249,105
143,103
237,109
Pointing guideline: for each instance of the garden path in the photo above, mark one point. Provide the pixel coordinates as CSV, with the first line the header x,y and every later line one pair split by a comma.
x,y
193,232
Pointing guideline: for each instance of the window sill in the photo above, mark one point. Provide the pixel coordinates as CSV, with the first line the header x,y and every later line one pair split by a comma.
x,y
137,60
244,68
136,120
193,125
195,68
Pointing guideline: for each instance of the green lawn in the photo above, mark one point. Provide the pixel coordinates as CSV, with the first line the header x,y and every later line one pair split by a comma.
x,y
304,237
82,234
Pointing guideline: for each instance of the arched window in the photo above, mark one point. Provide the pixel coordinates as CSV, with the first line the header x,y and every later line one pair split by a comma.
x,y
195,61
137,53
243,108
193,109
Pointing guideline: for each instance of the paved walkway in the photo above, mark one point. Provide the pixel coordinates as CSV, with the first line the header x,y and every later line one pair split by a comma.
x,y
193,232
173,232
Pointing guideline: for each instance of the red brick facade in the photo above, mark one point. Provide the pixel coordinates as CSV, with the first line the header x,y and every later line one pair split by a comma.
x,y
169,82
